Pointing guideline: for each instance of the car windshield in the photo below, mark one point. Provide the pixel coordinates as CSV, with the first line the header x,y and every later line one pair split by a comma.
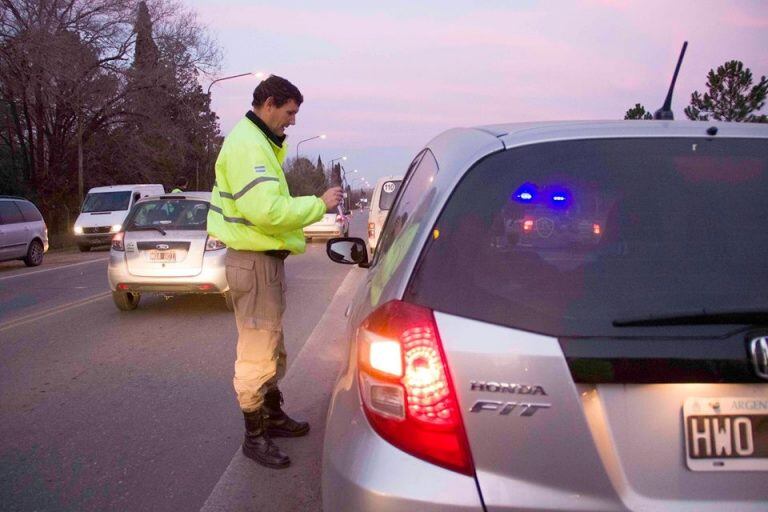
x,y
106,201
565,238
388,192
184,214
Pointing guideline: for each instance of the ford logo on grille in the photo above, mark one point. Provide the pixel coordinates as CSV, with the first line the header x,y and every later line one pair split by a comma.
x,y
758,349
162,247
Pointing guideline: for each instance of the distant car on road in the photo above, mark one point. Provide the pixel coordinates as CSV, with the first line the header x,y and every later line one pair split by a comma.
x,y
329,226
383,196
561,316
23,233
164,248
104,210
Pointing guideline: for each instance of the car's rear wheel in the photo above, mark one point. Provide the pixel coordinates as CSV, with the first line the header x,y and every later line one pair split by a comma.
x,y
228,301
35,253
126,301
84,247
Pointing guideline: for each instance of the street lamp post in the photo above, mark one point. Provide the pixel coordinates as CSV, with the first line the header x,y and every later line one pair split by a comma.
x,y
330,165
257,74
321,136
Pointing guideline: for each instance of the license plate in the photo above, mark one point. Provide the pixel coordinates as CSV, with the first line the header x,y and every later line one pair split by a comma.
x,y
162,256
726,434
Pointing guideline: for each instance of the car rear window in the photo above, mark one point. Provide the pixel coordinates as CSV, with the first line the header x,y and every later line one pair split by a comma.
x,y
565,238
106,201
169,214
388,192
30,212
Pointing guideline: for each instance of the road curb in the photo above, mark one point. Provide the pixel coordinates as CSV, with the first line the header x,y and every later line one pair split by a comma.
x,y
246,486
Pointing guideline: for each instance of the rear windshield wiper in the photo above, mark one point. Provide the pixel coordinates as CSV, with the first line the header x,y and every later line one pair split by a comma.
x,y
701,318
149,228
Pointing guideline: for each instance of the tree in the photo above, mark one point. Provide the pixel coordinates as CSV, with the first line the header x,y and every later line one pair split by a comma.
x,y
304,179
730,96
638,112
101,90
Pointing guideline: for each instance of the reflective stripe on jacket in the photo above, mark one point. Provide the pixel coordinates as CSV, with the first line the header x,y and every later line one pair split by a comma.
x,y
251,208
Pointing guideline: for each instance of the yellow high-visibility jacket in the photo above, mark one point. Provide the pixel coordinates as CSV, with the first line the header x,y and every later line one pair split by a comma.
x,y
251,208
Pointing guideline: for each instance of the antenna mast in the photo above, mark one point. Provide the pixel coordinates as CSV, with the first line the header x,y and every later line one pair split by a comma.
x,y
665,112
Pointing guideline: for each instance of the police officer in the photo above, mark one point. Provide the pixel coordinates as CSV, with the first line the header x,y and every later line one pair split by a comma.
x,y
253,213
181,185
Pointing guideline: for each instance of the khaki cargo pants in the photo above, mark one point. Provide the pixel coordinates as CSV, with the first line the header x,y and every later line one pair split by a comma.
x,y
257,284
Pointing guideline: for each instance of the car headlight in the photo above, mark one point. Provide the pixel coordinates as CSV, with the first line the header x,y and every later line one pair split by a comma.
x,y
115,228
78,230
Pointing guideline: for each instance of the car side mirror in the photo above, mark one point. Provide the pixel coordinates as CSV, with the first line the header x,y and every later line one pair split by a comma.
x,y
349,251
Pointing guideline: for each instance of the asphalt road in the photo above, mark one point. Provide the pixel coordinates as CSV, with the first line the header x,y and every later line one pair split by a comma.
x,y
109,410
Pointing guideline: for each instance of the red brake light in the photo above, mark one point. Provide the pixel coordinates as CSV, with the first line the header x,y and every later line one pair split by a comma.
x,y
528,225
117,241
408,396
596,229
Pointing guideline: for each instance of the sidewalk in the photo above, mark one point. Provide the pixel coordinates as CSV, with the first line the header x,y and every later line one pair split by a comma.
x,y
246,486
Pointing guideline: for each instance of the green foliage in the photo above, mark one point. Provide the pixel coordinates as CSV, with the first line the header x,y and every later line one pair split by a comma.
x,y
730,96
305,179
638,112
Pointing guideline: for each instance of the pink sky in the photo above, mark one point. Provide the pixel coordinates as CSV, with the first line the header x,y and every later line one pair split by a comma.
x,y
382,78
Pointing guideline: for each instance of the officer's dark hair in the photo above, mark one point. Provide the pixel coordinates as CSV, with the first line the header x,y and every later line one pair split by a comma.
x,y
280,89
182,181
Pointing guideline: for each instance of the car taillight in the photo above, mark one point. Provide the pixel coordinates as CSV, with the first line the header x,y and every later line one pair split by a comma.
x,y
408,396
117,241
596,229
214,244
371,230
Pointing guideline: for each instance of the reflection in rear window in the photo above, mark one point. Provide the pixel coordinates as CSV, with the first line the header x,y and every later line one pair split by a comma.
x,y
106,201
563,238
388,192
169,214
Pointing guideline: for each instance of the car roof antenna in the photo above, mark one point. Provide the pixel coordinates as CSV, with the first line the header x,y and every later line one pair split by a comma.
x,y
665,112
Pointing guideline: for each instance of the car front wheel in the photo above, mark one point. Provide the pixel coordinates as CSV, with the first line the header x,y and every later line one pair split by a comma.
x,y
126,301
35,253
84,247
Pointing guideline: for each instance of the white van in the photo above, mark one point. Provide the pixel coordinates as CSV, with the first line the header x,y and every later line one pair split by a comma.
x,y
104,210
383,196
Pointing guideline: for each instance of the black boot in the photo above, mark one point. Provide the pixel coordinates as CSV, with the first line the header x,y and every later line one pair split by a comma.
x,y
257,444
280,424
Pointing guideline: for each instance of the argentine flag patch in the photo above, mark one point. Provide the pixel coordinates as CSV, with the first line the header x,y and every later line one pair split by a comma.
x,y
260,169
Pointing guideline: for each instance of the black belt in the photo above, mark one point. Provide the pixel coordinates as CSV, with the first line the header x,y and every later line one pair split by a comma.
x,y
282,254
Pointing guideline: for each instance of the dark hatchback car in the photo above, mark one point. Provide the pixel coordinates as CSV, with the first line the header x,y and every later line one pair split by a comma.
x,y
562,316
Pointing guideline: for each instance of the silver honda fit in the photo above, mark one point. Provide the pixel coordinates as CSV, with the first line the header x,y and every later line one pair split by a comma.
x,y
562,316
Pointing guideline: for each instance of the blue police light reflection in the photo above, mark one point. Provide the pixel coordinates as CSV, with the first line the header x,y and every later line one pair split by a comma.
x,y
559,199
526,193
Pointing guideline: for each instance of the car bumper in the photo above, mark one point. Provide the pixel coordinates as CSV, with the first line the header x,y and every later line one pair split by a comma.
x,y
323,233
212,277
94,238
361,471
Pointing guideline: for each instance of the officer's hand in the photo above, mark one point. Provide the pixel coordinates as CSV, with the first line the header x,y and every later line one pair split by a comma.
x,y
332,197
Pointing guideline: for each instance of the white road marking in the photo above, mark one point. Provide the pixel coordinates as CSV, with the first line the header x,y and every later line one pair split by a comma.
x,y
52,311
53,268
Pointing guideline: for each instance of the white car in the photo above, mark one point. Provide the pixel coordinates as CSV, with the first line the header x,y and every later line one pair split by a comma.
x,y
381,201
561,316
104,210
23,233
329,226
164,248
